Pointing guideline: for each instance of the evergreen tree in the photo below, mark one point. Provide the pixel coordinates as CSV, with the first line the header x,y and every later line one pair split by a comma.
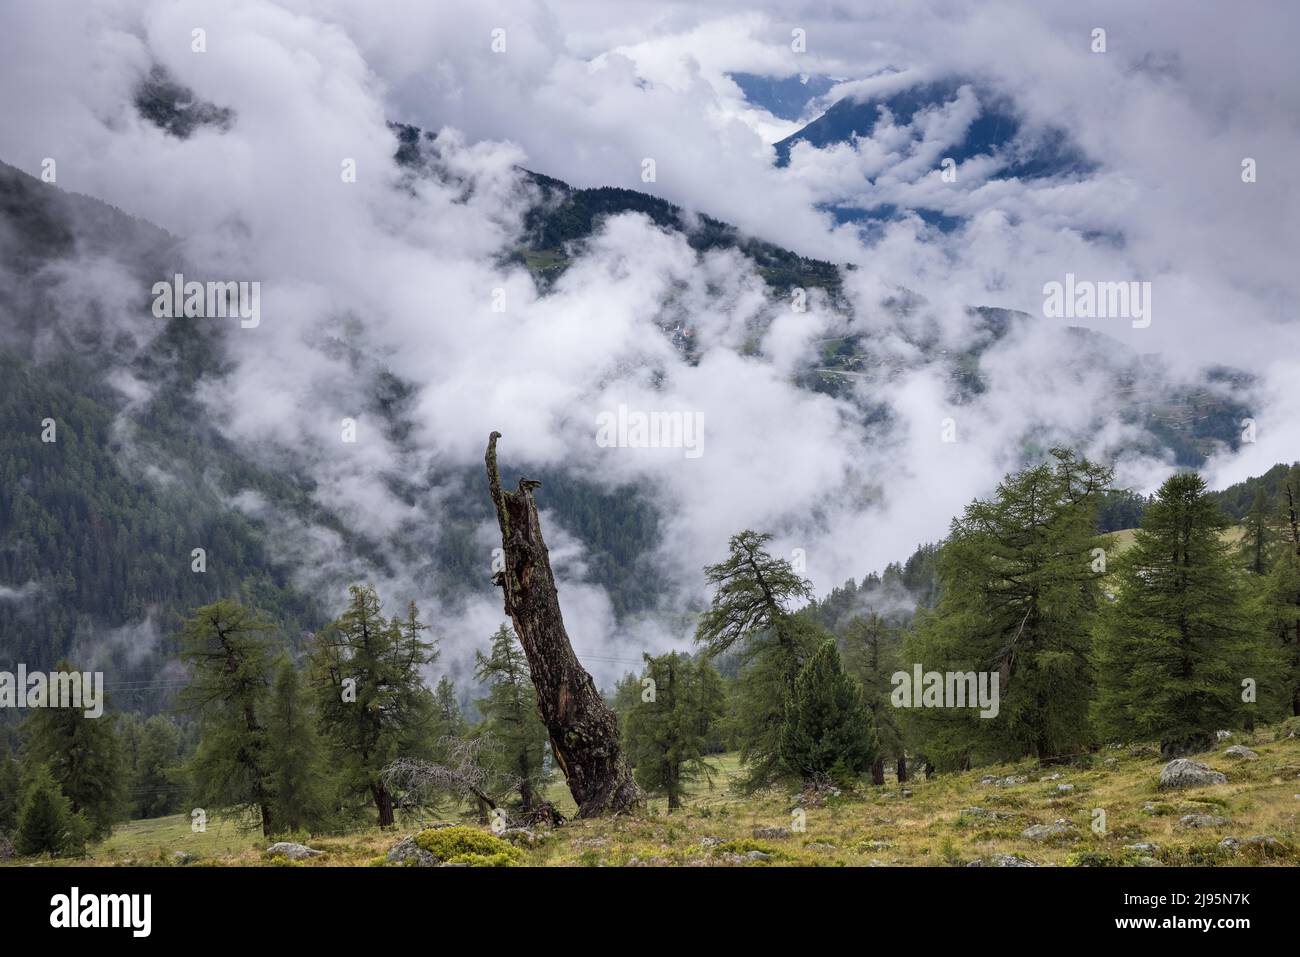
x,y
872,654
667,728
448,720
298,779
155,789
10,792
510,715
229,658
1021,585
46,823
1178,640
751,592
84,756
1280,598
372,704
827,732
1258,544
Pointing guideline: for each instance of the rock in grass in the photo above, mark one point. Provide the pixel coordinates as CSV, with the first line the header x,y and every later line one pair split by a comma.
x,y
1186,773
769,833
1002,860
980,812
407,852
1045,832
1202,820
294,852
1242,752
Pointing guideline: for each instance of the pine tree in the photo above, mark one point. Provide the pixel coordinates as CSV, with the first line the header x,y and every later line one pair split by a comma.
x,y
827,732
667,728
1020,587
510,715
749,610
372,703
46,823
298,778
10,792
84,757
872,654
1176,644
228,653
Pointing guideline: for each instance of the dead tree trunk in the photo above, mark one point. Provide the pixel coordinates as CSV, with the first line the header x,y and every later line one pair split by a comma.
x,y
583,730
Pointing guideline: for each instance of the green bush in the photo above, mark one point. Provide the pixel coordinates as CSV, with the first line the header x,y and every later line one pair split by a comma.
x,y
465,845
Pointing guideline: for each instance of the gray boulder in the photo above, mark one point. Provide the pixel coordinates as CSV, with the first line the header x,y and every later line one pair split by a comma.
x,y
1202,820
768,833
1045,832
294,852
1002,860
1186,773
410,854
985,813
1242,752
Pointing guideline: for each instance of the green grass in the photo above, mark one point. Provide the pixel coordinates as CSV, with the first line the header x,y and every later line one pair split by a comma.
x,y
874,826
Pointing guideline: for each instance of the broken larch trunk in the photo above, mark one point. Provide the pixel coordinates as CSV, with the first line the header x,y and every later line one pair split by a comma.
x,y
582,728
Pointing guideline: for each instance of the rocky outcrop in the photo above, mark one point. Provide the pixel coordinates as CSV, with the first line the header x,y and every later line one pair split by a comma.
x,y
1186,773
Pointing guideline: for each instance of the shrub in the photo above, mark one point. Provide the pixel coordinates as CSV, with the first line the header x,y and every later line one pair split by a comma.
x,y
465,845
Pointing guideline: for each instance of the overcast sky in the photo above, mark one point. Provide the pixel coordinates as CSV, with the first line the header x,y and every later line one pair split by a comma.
x,y
585,91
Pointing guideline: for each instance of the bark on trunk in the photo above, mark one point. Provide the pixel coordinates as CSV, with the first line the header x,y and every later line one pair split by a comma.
x,y
878,771
902,769
383,804
582,728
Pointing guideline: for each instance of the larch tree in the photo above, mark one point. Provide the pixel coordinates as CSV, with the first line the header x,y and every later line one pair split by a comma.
x,y
872,654
668,724
1020,586
84,756
752,592
228,652
1178,642
298,775
372,704
510,715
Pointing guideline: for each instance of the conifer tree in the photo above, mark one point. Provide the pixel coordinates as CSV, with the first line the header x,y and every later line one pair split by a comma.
x,y
46,822
227,649
827,733
752,592
668,725
84,756
155,788
1020,588
10,792
299,779
510,715
372,703
1178,641
872,654
448,719
1280,597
